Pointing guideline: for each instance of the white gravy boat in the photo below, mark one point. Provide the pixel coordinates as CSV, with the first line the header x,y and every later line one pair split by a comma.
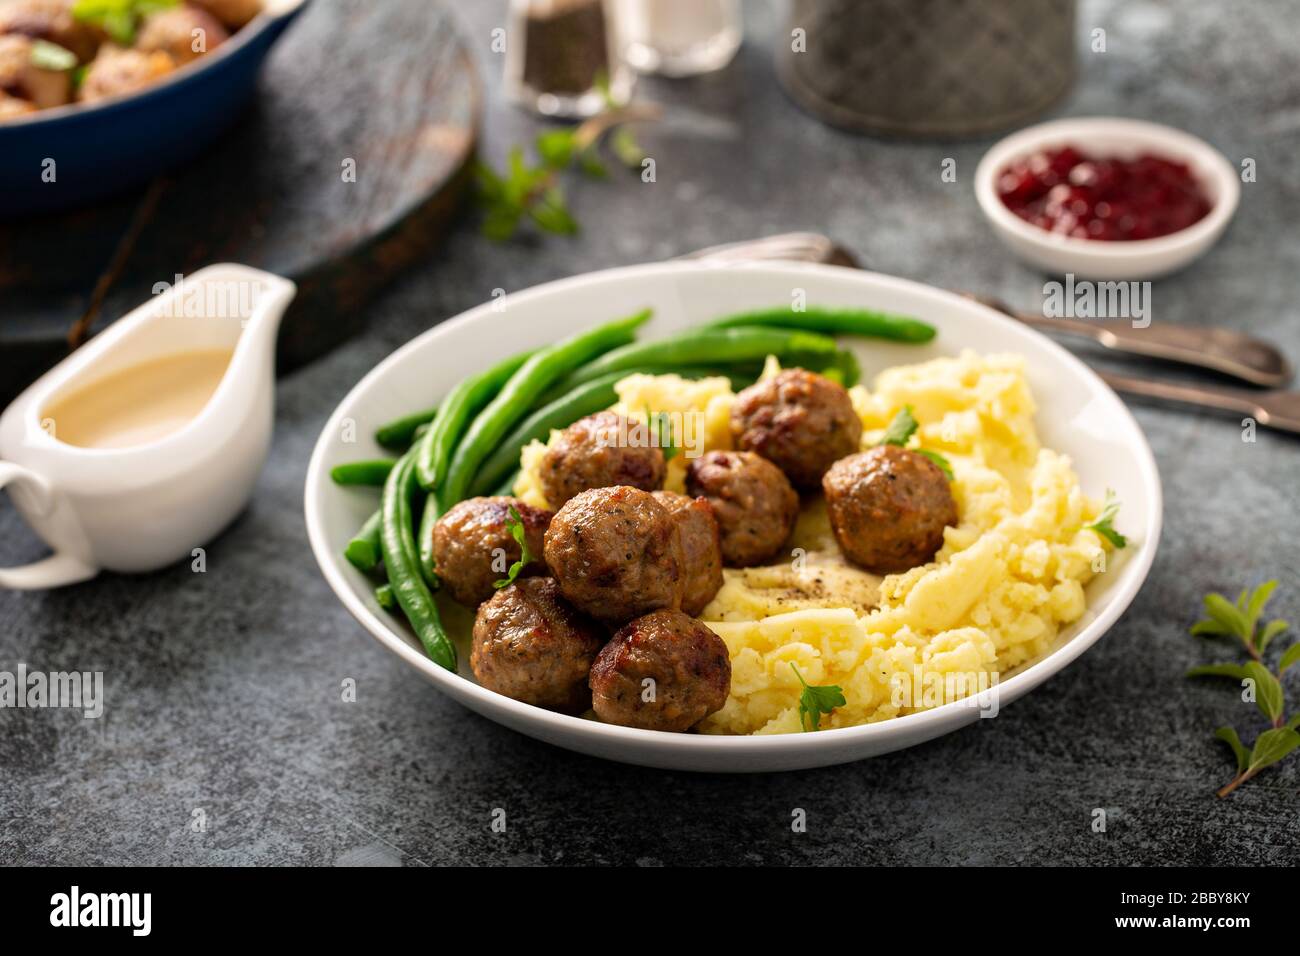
x,y
145,506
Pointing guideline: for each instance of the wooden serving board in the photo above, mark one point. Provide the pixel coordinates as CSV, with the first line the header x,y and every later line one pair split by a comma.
x,y
389,86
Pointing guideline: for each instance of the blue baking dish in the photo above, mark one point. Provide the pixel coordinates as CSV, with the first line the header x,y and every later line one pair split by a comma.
x,y
105,147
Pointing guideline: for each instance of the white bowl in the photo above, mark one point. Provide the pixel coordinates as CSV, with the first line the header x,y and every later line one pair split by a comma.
x,y
1100,259
1078,415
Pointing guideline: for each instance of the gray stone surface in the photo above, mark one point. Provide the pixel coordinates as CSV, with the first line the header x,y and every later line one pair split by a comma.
x,y
224,687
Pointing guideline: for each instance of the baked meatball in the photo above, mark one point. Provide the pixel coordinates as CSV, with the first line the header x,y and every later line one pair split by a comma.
x,y
616,553
663,671
233,13
530,645
23,79
701,548
50,20
116,71
467,538
176,31
599,451
801,422
888,508
753,501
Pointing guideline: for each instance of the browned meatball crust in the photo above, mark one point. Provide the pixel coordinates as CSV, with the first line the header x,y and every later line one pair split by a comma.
x,y
176,31
701,548
116,71
616,553
752,499
801,422
467,538
663,671
22,79
50,20
595,452
530,645
888,508
233,13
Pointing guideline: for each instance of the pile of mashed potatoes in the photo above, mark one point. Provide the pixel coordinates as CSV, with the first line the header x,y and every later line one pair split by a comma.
x,y
1008,577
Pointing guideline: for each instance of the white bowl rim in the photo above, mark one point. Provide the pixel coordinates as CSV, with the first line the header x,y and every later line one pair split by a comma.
x,y
1177,143
1024,680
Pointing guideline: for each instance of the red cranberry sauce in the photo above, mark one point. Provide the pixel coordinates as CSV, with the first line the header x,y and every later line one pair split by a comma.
x,y
1064,191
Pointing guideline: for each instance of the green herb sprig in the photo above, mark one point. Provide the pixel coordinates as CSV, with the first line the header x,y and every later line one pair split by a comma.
x,y
660,425
899,432
817,700
533,192
1104,524
118,18
515,525
1242,621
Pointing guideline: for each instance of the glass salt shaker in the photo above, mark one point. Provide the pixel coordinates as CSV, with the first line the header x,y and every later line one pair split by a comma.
x,y
559,53
680,37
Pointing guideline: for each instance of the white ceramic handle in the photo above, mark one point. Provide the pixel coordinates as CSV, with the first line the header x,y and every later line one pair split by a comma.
x,y
54,571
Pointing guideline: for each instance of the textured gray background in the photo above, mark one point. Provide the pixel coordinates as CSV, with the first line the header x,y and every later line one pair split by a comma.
x,y
223,688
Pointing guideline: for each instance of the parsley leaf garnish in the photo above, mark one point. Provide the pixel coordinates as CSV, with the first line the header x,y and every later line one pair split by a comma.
x,y
660,425
1105,523
902,428
816,700
118,18
900,431
939,460
1242,621
515,525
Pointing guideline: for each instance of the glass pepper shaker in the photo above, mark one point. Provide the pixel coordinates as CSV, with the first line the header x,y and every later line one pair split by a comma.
x,y
560,53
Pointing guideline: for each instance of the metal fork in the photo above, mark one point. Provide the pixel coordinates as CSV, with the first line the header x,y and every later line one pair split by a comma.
x,y
1222,350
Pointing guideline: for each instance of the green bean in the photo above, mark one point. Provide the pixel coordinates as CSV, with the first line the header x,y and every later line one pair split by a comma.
x,y
364,550
464,401
369,472
428,518
398,433
740,371
700,346
547,365
384,596
584,400
397,535
865,322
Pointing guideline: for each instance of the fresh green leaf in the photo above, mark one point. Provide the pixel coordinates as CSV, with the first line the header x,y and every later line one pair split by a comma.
x,y
624,145
939,460
660,425
1229,736
1255,606
51,56
552,214
555,147
515,525
1271,630
591,165
1268,692
1289,657
1219,609
1235,671
1211,627
1271,746
1294,722
500,224
901,428
817,700
1104,524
